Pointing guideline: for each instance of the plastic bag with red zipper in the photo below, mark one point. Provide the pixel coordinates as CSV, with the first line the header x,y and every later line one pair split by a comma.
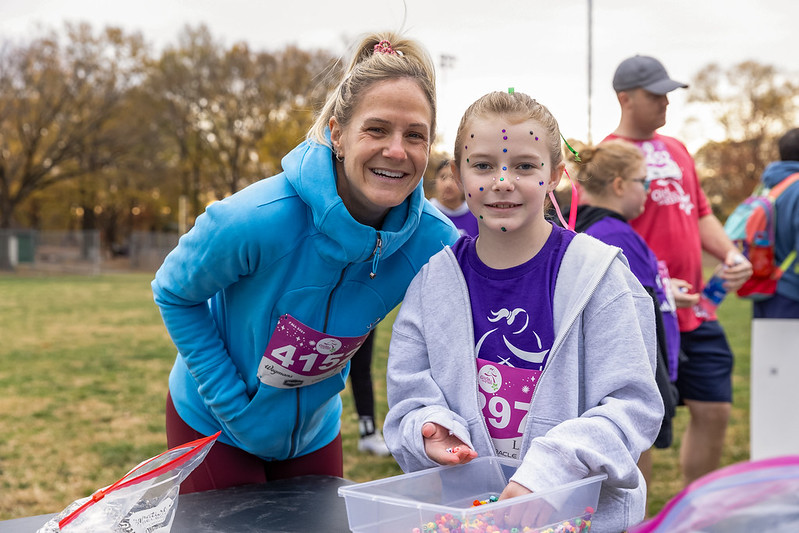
x,y
143,501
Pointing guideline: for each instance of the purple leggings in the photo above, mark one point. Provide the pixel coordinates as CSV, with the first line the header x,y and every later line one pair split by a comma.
x,y
228,466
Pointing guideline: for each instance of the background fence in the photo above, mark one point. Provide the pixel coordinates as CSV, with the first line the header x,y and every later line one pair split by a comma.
x,y
81,252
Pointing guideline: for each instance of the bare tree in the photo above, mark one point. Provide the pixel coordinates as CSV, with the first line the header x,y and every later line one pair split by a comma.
x,y
755,104
56,101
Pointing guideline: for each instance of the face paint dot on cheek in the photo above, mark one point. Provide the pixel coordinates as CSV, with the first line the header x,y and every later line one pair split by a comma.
x,y
504,137
504,168
503,228
540,182
472,136
503,131
504,149
536,138
481,217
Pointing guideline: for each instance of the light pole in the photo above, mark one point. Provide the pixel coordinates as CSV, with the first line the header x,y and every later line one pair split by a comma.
x,y
590,54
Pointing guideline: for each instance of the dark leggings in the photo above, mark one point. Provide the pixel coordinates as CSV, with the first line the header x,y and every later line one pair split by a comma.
x,y
228,466
361,378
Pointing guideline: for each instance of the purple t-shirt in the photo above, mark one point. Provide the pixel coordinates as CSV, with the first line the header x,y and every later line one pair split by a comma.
x,y
514,331
644,265
463,219
512,308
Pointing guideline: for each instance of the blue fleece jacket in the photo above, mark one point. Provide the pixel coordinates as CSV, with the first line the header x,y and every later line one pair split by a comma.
x,y
285,245
787,229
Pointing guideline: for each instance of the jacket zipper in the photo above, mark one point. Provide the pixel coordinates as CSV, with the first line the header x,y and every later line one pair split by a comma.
x,y
376,256
375,260
293,447
557,342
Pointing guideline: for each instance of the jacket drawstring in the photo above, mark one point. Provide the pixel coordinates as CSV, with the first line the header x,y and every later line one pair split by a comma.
x,y
376,256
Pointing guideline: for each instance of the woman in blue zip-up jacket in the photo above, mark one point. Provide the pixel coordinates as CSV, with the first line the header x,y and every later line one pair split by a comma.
x,y
275,287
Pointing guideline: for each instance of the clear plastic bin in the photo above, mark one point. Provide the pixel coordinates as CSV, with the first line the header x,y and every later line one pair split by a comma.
x,y
445,497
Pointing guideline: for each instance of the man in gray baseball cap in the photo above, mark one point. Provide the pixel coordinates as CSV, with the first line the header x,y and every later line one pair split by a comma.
x,y
677,224
645,72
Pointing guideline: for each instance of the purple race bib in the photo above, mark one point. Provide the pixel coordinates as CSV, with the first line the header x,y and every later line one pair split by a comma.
x,y
298,355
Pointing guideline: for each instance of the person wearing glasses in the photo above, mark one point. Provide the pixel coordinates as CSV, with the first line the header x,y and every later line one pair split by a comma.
x,y
613,191
678,224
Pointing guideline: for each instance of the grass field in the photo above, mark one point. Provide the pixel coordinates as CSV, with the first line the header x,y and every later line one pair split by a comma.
x,y
83,376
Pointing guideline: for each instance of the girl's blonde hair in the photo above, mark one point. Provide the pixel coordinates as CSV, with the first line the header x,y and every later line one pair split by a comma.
x,y
367,67
515,106
599,165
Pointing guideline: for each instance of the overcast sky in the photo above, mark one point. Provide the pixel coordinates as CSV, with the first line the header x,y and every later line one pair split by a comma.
x,y
536,46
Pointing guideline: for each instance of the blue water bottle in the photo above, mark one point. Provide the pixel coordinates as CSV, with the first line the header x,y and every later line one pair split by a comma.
x,y
711,296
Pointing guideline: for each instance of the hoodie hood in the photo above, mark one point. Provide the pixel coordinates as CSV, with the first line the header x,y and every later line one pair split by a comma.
x,y
777,171
310,169
588,215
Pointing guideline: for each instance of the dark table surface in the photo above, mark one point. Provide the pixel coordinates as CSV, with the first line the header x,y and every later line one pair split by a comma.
x,y
303,504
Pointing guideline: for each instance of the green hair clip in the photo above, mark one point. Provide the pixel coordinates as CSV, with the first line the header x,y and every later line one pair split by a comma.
x,y
572,150
510,90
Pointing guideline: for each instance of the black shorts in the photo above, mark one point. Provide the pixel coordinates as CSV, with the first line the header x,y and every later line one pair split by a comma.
x,y
704,372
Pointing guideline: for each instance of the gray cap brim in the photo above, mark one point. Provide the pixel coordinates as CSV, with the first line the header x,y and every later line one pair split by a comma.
x,y
664,86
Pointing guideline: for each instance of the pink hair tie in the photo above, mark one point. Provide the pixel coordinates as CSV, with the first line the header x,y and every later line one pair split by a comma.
x,y
384,47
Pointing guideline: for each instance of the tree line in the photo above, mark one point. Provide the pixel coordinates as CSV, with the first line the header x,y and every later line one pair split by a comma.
x,y
98,132
755,104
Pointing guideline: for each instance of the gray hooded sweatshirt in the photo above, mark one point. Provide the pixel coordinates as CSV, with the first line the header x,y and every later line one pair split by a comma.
x,y
596,406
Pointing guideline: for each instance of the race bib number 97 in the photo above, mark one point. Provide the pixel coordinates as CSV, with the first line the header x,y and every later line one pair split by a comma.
x,y
298,355
505,394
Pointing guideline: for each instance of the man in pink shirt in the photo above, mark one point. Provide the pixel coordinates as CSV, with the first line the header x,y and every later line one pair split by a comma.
x,y
677,223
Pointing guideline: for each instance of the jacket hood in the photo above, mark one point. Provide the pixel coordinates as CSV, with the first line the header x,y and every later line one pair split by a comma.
x,y
777,171
588,215
309,168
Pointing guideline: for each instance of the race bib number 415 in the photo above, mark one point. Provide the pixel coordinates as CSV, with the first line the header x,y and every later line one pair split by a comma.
x,y
298,355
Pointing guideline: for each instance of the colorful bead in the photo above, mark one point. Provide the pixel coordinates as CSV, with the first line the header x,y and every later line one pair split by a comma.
x,y
484,523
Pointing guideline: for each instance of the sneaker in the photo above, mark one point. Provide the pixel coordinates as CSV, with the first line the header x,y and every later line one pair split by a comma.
x,y
373,443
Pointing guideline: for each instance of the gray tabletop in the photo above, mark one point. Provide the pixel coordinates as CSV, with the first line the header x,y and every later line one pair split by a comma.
x,y
308,503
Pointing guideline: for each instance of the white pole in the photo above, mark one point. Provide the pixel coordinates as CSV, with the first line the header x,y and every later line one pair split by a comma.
x,y
590,55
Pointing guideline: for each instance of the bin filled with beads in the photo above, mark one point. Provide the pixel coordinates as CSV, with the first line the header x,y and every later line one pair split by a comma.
x,y
464,499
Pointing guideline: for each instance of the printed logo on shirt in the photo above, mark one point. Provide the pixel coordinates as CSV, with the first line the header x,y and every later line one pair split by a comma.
x,y
298,356
510,330
664,176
